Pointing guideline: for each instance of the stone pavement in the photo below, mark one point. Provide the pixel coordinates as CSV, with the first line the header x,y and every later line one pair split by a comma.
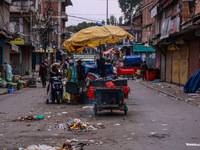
x,y
174,91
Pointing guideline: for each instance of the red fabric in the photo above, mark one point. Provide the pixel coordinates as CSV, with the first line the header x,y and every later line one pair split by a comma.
x,y
110,84
108,51
90,93
127,71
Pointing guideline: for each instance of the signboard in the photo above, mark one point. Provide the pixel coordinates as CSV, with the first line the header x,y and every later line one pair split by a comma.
x,y
197,10
18,41
37,68
154,11
174,25
165,28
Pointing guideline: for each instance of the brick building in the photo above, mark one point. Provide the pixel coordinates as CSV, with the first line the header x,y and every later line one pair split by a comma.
x,y
176,38
60,17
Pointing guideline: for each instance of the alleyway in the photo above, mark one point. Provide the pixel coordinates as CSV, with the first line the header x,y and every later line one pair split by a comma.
x,y
153,122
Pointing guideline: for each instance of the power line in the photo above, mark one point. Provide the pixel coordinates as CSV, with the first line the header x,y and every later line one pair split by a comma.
x,y
83,18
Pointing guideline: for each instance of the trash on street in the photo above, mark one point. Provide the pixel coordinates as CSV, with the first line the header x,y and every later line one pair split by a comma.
x,y
31,117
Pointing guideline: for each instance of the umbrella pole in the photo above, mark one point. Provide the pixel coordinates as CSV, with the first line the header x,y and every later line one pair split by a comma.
x,y
100,48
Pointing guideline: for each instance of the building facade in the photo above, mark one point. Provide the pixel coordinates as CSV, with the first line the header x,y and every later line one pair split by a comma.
x,y
176,38
7,33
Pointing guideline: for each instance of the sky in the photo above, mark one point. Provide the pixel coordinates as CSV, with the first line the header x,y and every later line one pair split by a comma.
x,y
91,11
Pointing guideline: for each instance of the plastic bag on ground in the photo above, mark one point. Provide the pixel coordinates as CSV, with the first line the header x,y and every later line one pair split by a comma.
x,y
63,94
40,147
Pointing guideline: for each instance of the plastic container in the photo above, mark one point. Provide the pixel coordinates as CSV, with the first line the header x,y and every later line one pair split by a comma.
x,y
150,75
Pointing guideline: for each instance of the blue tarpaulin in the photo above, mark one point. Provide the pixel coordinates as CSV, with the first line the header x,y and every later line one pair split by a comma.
x,y
193,83
134,59
93,69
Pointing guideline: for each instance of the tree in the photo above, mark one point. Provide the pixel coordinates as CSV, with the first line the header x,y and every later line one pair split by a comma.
x,y
108,21
103,22
130,6
80,26
120,20
112,20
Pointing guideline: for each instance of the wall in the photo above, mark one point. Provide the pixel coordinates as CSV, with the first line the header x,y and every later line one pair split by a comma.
x,y
168,66
162,65
194,52
194,57
6,15
26,60
14,62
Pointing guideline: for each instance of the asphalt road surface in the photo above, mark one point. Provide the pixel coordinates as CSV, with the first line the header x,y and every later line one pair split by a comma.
x,y
153,122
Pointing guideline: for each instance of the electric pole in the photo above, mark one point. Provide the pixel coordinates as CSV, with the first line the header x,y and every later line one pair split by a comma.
x,y
107,12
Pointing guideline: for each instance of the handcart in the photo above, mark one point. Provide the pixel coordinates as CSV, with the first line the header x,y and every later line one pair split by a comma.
x,y
109,99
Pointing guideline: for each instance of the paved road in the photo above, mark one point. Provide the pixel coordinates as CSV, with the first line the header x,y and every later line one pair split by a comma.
x,y
154,122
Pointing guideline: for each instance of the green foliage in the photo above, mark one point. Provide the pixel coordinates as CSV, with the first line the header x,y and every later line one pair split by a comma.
x,y
113,20
120,20
103,22
80,26
129,6
31,81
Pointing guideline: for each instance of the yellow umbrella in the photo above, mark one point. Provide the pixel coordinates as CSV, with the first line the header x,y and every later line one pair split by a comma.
x,y
95,36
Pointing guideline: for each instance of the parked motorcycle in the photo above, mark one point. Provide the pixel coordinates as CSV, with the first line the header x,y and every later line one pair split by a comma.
x,y
56,89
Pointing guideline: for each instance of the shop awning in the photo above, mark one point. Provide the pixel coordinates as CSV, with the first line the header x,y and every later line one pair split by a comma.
x,y
108,51
142,49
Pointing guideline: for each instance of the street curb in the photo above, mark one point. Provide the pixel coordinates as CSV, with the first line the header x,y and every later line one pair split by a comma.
x,y
171,95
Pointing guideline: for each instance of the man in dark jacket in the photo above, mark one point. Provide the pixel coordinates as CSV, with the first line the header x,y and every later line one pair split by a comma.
x,y
42,74
80,71
144,68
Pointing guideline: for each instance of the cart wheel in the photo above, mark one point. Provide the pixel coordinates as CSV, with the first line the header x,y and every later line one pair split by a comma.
x,y
125,111
95,109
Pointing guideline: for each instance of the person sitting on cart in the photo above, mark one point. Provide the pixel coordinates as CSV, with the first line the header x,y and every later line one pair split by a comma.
x,y
80,71
144,68
53,73
72,72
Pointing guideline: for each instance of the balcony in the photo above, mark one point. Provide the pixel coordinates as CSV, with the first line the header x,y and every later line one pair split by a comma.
x,y
21,6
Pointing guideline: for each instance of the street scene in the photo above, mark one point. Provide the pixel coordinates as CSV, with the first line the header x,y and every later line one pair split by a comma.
x,y
99,75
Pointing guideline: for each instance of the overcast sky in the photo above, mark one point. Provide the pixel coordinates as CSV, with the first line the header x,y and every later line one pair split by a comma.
x,y
91,11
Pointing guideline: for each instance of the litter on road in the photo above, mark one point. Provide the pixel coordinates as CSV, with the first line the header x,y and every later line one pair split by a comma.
x,y
192,144
31,117
117,124
89,107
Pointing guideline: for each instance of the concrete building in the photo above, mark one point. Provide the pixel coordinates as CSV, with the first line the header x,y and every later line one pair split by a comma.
x,y
7,33
23,15
58,34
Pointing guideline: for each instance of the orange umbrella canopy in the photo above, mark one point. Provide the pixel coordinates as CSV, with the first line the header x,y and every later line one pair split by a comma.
x,y
95,36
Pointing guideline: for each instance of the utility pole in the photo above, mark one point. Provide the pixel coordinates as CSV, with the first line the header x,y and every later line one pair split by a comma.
x,y
132,31
107,12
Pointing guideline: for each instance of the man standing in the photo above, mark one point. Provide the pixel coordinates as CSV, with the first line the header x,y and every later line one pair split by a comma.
x,y
80,71
144,68
9,74
72,72
102,67
42,74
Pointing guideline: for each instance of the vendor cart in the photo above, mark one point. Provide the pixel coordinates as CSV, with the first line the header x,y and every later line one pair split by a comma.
x,y
109,99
